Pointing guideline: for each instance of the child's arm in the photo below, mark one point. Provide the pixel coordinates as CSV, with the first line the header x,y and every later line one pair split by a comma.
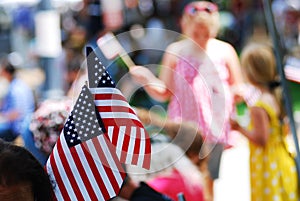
x,y
236,77
261,126
158,88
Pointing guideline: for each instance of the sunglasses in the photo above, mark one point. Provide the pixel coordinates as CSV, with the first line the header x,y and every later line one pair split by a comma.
x,y
192,9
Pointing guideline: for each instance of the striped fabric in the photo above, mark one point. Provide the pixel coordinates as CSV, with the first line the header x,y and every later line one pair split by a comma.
x,y
84,164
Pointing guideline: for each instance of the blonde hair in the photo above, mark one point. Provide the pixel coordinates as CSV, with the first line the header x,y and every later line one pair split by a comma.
x,y
259,67
209,20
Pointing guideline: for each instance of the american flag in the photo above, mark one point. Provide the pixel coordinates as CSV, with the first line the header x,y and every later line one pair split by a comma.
x,y
124,129
83,164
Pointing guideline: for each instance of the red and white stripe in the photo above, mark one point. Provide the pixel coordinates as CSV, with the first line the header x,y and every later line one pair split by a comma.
x,y
292,73
88,171
124,129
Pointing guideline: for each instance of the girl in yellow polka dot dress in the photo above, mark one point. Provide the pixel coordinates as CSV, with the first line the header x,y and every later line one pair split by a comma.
x,y
272,168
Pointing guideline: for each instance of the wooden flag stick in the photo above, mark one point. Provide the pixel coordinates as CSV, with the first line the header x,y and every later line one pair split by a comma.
x,y
111,48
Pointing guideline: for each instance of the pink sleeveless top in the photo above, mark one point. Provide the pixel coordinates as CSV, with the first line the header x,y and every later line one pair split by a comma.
x,y
202,95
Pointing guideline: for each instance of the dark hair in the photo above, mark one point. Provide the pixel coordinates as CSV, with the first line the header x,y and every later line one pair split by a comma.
x,y
19,166
8,67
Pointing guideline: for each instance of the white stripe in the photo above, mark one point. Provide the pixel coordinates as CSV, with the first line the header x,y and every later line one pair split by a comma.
x,y
110,160
110,132
121,115
105,90
131,145
75,171
56,190
120,141
111,102
100,168
142,148
62,172
89,173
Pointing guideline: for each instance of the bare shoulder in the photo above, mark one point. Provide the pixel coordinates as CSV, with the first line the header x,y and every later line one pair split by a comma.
x,y
221,44
175,47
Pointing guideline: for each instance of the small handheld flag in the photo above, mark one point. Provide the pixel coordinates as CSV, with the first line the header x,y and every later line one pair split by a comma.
x,y
124,129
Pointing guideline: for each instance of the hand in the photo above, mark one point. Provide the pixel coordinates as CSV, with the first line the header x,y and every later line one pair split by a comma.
x,y
234,124
146,78
141,74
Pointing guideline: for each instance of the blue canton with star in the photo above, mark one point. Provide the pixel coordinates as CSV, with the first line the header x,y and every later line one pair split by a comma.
x,y
84,122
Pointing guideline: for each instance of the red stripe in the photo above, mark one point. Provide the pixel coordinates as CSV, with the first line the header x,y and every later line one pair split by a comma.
x,y
137,145
59,181
115,135
69,172
115,157
147,156
83,174
95,170
109,97
106,166
125,144
115,109
121,122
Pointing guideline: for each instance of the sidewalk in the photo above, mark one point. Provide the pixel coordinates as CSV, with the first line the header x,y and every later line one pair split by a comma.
x,y
233,184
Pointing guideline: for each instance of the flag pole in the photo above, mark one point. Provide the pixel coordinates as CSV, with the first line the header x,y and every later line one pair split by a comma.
x,y
279,61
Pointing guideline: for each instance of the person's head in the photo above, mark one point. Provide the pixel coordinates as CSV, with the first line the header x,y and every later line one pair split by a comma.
x,y
259,67
200,21
7,70
188,137
258,64
22,178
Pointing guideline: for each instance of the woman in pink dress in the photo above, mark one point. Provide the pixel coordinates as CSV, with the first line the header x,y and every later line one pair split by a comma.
x,y
197,77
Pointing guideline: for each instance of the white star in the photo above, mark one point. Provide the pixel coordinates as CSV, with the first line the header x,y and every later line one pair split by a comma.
x,y
96,66
103,81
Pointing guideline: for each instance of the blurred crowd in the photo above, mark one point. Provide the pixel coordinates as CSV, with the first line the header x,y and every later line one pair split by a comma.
x,y
41,71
